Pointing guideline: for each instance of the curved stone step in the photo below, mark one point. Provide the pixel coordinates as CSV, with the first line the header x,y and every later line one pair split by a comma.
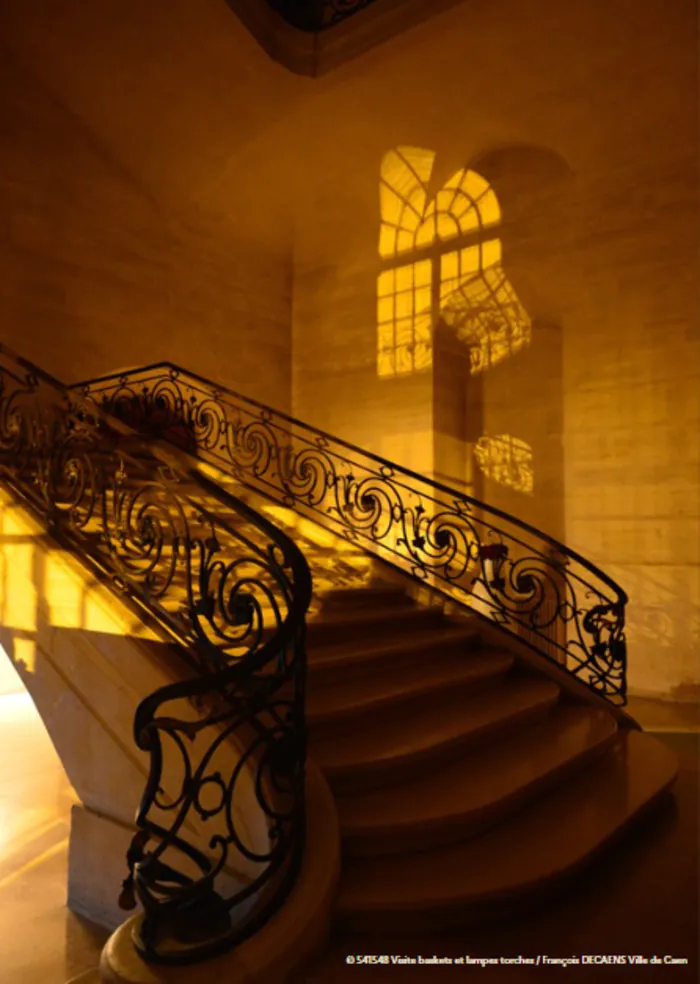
x,y
373,595
530,854
342,703
385,751
465,797
372,623
347,659
296,933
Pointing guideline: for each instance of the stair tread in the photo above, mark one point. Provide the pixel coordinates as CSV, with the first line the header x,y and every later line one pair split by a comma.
x,y
380,594
487,777
551,837
383,742
354,617
378,689
437,637
363,596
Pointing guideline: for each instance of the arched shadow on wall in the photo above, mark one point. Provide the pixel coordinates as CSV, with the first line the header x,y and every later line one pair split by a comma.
x,y
516,402
521,172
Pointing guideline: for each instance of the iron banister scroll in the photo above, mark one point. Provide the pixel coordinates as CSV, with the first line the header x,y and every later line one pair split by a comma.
x,y
227,745
505,570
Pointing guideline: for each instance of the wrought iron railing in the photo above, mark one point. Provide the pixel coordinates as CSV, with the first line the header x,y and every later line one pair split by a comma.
x,y
226,745
317,15
522,580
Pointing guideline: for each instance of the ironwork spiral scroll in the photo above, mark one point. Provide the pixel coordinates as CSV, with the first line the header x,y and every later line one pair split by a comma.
x,y
232,590
208,791
505,570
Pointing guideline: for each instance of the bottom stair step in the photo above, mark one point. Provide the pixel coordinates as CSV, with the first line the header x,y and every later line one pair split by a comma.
x,y
455,801
530,853
387,750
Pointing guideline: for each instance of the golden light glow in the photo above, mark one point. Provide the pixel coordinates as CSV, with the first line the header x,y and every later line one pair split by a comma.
x,y
24,654
465,204
15,521
413,448
18,596
486,315
10,680
36,795
404,319
63,593
474,296
41,587
506,460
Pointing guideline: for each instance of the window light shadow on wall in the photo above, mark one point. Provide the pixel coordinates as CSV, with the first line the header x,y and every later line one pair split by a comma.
x,y
440,260
42,589
506,460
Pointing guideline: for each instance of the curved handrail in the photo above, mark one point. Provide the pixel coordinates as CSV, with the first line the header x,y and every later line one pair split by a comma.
x,y
232,590
520,578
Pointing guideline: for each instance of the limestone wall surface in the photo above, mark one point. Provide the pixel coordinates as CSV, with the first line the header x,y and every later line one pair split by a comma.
x,y
168,189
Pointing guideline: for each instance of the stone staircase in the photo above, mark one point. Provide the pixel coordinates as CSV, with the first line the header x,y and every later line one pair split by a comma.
x,y
451,778
466,784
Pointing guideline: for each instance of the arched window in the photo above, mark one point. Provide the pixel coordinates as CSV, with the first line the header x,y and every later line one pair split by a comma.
x,y
441,259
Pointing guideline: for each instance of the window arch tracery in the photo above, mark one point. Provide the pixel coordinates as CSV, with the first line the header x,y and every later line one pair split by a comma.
x,y
441,259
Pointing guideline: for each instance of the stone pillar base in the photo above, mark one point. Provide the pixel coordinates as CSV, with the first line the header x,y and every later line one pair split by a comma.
x,y
97,866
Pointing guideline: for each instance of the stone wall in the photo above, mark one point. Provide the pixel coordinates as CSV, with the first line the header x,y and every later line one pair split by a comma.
x,y
582,116
98,274
584,119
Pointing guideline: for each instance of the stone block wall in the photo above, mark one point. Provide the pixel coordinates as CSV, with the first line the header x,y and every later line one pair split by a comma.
x,y
98,274
584,119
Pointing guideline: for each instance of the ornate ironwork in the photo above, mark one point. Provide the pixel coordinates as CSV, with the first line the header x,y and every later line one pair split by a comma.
x,y
501,568
317,15
228,744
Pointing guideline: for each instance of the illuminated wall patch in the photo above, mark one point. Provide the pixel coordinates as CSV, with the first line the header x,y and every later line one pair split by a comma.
x,y
506,460
425,277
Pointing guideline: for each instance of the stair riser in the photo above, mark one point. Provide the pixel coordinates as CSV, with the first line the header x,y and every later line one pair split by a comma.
x,y
455,830
436,918
360,665
392,622
378,776
336,723
349,599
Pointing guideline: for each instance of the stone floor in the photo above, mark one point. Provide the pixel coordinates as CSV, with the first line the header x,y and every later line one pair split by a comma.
x,y
41,942
641,899
664,715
